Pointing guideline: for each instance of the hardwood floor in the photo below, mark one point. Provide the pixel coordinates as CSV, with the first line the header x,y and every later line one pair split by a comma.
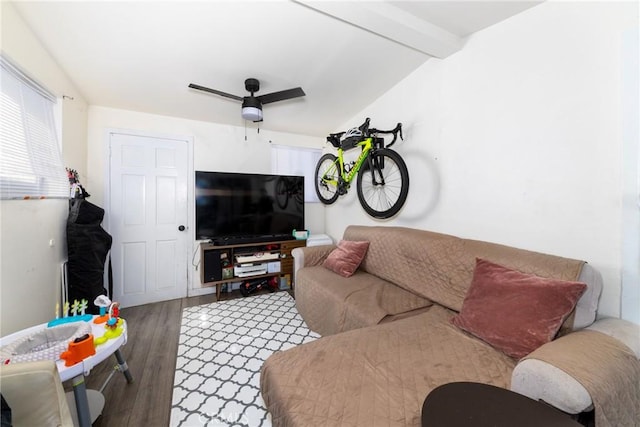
x,y
150,353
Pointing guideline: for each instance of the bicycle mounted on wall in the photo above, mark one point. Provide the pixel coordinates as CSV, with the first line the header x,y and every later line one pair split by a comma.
x,y
383,178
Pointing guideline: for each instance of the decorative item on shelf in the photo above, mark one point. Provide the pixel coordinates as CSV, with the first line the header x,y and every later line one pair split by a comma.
x,y
300,235
227,267
227,272
76,190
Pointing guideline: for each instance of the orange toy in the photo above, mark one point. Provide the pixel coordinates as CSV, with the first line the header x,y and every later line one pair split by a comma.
x,y
79,349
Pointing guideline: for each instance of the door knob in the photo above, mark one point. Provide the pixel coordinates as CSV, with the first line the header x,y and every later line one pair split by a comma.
x,y
181,228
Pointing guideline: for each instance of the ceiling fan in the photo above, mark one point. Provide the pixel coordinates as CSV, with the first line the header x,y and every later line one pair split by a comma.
x,y
252,105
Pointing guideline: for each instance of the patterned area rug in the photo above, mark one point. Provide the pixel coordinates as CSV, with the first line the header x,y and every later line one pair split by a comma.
x,y
221,350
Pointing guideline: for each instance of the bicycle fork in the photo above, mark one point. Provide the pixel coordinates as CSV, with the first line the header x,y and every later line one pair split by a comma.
x,y
376,164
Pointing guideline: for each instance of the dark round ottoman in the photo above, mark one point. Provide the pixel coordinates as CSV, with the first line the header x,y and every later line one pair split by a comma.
x,y
473,404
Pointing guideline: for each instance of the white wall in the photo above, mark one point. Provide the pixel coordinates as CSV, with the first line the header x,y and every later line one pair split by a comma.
x,y
516,139
631,178
216,148
29,266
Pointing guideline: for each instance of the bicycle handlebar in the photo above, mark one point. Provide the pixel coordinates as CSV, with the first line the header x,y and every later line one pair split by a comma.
x,y
395,131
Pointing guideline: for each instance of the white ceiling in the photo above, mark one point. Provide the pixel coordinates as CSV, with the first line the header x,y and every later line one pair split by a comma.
x,y
142,55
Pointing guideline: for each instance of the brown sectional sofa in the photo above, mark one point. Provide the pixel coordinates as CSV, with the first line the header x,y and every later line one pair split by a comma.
x,y
388,338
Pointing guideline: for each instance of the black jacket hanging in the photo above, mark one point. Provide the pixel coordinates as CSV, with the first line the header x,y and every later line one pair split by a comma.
x,y
88,245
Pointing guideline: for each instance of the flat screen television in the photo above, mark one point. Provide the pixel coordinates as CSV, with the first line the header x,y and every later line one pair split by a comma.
x,y
241,207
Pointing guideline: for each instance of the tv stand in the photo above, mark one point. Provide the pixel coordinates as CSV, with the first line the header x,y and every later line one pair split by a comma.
x,y
224,262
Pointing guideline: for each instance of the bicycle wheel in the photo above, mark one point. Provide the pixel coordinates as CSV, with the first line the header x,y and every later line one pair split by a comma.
x,y
326,183
282,193
383,184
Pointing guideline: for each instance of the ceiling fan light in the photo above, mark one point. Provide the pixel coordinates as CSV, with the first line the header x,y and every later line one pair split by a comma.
x,y
251,109
252,113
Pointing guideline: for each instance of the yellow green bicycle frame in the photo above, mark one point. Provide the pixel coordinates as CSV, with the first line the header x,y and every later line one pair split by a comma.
x,y
366,145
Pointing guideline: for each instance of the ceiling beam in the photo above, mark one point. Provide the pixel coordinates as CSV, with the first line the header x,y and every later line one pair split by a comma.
x,y
385,20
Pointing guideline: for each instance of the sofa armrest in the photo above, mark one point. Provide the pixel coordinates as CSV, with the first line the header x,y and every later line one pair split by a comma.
x,y
34,393
541,380
310,255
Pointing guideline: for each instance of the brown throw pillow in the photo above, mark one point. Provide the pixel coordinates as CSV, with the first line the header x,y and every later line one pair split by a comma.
x,y
515,312
345,259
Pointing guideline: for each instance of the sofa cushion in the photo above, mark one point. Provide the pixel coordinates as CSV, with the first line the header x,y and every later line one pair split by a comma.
x,y
345,259
513,311
330,303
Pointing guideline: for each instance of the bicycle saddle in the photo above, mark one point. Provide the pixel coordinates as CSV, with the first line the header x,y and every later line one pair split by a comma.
x,y
334,139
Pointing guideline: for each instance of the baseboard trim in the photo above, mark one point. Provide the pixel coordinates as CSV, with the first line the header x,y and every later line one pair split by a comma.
x,y
196,292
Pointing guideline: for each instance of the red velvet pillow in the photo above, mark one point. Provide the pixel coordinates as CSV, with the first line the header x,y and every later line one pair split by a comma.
x,y
345,259
515,312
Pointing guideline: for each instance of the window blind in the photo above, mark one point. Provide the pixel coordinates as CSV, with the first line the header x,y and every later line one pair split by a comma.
x,y
30,159
286,160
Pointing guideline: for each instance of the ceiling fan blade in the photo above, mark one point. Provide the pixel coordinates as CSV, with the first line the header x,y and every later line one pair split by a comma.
x,y
281,96
216,92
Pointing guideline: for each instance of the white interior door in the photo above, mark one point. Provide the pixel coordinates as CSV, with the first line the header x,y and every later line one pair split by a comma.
x,y
148,214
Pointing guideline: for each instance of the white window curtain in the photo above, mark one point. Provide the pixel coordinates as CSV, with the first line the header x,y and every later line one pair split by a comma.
x,y
286,160
30,159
